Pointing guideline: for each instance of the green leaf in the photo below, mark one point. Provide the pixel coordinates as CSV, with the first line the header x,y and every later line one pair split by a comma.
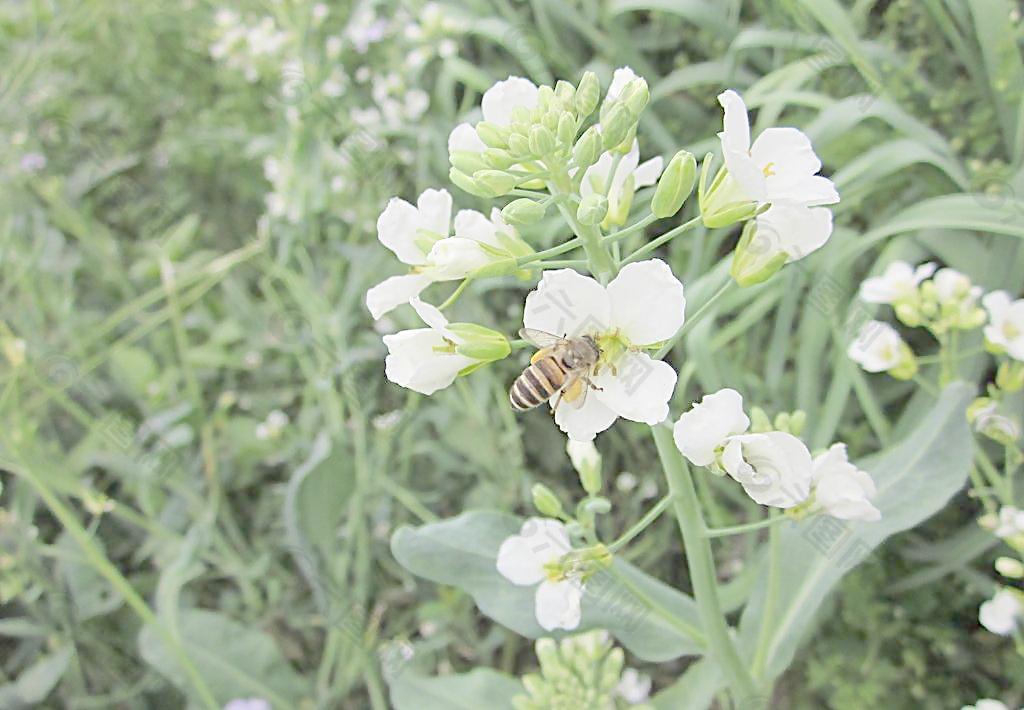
x,y
134,368
318,492
480,688
36,681
235,660
997,37
652,620
914,480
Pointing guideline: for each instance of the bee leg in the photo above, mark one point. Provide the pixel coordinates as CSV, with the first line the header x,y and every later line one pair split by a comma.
x,y
557,402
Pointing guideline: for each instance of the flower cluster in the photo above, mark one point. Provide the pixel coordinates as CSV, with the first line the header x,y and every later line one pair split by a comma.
x,y
582,671
775,468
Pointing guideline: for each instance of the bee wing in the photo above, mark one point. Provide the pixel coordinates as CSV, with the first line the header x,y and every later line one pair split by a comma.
x,y
540,338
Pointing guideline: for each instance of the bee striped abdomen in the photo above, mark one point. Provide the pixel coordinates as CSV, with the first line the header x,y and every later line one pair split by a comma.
x,y
537,384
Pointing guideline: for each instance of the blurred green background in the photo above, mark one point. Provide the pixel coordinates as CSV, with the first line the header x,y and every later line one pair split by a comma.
x,y
197,435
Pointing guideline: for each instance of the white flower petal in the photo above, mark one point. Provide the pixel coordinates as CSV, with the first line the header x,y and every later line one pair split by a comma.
x,y
521,558
585,422
648,303
499,100
430,315
841,489
736,147
413,362
707,425
620,77
567,303
795,229
396,229
648,172
786,158
639,390
435,211
895,283
455,257
1001,613
395,291
473,225
877,347
463,137
774,468
558,605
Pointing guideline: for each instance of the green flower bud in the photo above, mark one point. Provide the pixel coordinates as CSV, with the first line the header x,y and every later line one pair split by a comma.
x,y
521,114
497,158
797,421
1010,568
480,343
1010,376
759,421
467,161
588,93
493,135
592,209
588,148
782,421
597,506
566,129
542,141
545,501
908,364
494,182
754,262
636,95
545,97
519,146
731,214
565,92
523,211
675,185
465,182
909,314
615,126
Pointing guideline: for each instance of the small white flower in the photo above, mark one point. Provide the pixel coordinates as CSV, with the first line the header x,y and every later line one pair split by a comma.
x,y
951,285
774,468
626,481
497,105
583,454
878,347
1001,613
708,424
780,168
634,687
897,283
986,704
629,175
525,560
642,306
424,359
1011,522
1006,323
419,237
843,490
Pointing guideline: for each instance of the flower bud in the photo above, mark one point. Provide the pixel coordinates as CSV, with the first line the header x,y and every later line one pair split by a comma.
x,y
480,343
615,126
467,161
759,421
523,211
545,97
519,145
497,158
542,141
1009,567
545,501
493,135
909,314
592,209
586,459
588,148
675,185
588,93
494,182
465,182
597,506
754,261
565,92
550,120
635,95
521,115
566,129
1010,376
797,421
908,364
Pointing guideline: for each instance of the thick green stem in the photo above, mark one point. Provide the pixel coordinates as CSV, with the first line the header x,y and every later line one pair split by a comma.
x,y
768,614
702,567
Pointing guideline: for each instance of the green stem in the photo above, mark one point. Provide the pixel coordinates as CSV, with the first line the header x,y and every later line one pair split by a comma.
x,y
745,528
771,597
663,239
600,261
631,229
553,251
649,517
701,566
455,294
560,264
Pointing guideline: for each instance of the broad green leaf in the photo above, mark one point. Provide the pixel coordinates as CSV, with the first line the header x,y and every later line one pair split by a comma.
x,y
318,492
914,480
709,15
235,660
480,688
652,620
36,681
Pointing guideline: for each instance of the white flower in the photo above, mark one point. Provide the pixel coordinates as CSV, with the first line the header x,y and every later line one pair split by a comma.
x,y
620,78
952,286
419,237
425,359
780,168
1006,323
774,468
1001,613
897,283
525,560
634,687
1011,522
707,426
629,175
878,347
986,704
247,704
642,306
843,490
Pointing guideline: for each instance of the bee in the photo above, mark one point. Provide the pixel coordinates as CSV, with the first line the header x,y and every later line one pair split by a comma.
x,y
562,366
